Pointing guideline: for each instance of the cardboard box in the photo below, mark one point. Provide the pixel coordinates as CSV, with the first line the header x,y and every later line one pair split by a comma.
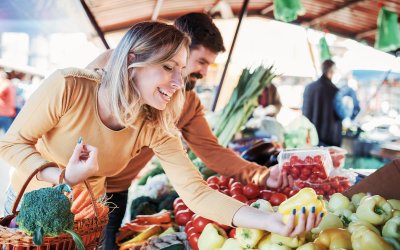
x,y
384,182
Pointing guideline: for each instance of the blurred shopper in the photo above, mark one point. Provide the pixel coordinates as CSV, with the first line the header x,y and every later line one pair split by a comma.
x,y
206,43
134,105
7,102
270,100
318,107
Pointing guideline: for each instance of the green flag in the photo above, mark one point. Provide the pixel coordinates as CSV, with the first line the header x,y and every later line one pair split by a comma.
x,y
388,35
324,49
288,10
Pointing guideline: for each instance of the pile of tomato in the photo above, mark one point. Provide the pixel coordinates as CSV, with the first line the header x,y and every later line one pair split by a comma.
x,y
333,184
246,193
309,168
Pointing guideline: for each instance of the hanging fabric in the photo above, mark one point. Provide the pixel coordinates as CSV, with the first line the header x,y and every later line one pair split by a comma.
x,y
324,52
388,34
288,10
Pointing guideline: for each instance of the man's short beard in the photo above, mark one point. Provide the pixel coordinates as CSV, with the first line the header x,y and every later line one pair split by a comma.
x,y
190,84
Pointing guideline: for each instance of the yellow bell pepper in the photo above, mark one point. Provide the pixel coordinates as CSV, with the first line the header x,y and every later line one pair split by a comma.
x,y
366,239
356,199
310,246
211,238
328,221
291,242
396,213
338,201
307,198
231,244
334,239
375,210
247,237
266,244
359,225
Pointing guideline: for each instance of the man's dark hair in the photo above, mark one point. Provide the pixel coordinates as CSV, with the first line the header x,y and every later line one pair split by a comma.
x,y
202,31
327,65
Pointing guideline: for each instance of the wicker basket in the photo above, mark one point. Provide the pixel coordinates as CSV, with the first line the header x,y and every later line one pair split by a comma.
x,y
90,230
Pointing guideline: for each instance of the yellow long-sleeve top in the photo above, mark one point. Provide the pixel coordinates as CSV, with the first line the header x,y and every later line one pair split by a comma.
x,y
64,108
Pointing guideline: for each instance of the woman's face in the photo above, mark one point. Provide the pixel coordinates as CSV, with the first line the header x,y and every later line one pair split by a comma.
x,y
158,83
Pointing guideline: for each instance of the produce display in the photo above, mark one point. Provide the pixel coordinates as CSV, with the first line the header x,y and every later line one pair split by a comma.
x,y
338,156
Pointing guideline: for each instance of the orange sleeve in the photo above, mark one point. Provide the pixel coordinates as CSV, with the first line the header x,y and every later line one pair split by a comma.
x,y
205,145
189,184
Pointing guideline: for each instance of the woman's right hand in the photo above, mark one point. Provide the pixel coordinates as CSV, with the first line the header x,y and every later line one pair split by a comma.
x,y
82,164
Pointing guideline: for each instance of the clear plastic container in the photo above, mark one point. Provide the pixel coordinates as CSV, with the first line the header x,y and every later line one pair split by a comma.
x,y
338,156
327,187
306,164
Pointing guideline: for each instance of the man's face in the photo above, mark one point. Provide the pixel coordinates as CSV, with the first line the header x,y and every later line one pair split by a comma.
x,y
199,60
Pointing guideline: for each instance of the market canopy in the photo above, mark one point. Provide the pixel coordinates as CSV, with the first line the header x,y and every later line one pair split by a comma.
x,y
356,19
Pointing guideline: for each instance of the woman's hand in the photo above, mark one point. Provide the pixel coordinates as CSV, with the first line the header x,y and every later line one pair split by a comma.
x,y
278,179
82,164
305,223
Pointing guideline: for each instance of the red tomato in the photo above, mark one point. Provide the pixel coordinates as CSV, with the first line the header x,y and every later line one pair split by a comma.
x,y
214,186
319,191
306,171
183,216
308,160
251,191
230,182
232,233
287,190
303,177
176,201
199,223
236,185
277,199
249,202
225,191
190,230
340,189
240,197
189,224
223,181
265,194
179,207
313,177
326,187
294,160
293,192
213,179
317,158
193,241
295,171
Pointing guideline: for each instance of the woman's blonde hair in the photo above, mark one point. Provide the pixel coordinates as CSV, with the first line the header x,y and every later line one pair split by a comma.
x,y
151,43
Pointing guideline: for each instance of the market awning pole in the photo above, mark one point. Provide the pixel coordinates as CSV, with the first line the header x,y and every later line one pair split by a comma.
x,y
312,54
95,24
243,12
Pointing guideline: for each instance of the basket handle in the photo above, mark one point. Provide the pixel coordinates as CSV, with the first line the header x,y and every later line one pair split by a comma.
x,y
34,173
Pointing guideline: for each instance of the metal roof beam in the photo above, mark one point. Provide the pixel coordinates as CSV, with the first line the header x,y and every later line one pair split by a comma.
x,y
96,26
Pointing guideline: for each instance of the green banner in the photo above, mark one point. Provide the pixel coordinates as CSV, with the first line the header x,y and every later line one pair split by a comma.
x,y
388,34
324,52
288,10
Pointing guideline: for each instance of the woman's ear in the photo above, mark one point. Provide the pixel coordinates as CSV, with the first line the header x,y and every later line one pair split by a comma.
x,y
131,58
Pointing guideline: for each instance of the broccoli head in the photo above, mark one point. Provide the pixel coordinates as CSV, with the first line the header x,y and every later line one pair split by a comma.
x,y
46,211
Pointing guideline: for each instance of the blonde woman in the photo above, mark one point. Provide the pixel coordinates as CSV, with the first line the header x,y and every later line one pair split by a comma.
x,y
134,104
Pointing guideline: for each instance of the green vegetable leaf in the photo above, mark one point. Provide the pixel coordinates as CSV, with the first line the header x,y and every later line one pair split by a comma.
x,y
78,240
38,236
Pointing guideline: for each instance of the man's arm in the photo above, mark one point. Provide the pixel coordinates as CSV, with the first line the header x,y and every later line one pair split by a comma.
x,y
205,145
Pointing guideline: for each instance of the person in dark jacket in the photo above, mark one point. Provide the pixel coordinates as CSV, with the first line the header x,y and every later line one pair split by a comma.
x,y
318,107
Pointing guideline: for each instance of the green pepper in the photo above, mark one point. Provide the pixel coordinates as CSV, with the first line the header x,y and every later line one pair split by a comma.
x,y
392,228
366,239
360,225
396,213
375,210
392,241
344,214
395,204
356,199
334,238
328,221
